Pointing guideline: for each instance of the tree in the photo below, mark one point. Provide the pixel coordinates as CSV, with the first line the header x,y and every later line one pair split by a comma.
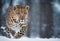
x,y
29,2
46,19
0,11
11,2
1,30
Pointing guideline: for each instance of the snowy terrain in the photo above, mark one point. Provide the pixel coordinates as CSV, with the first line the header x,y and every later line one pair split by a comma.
x,y
28,39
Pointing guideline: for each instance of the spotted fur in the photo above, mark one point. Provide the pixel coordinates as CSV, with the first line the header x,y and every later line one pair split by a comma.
x,y
16,20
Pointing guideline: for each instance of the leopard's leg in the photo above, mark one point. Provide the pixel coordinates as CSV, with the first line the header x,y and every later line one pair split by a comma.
x,y
17,35
7,32
12,32
24,28
21,32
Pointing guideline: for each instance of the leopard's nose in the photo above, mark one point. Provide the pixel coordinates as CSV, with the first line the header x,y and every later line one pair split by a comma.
x,y
21,20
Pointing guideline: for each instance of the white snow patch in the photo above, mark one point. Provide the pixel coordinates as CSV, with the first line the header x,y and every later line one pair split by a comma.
x,y
28,39
3,27
57,6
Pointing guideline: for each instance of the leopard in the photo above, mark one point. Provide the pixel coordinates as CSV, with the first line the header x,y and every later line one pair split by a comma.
x,y
16,21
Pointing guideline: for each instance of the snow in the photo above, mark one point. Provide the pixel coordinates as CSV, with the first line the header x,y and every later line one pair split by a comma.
x,y
28,39
56,6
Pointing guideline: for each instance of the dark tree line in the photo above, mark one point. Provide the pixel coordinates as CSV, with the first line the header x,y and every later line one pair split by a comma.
x,y
46,17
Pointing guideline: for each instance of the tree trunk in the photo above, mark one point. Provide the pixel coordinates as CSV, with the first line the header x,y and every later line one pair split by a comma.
x,y
29,2
11,2
0,12
46,19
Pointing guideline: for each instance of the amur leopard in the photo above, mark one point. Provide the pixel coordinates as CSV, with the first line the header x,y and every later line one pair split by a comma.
x,y
16,20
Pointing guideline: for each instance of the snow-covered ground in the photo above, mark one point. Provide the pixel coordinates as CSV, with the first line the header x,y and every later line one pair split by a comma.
x,y
28,39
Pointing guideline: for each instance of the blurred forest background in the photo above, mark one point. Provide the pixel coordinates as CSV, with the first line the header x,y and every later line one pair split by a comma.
x,y
43,18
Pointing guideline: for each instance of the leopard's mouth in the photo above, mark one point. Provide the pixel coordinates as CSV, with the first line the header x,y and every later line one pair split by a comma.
x,y
22,21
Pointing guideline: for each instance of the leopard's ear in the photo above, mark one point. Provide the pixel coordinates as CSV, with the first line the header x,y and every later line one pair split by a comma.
x,y
9,8
27,7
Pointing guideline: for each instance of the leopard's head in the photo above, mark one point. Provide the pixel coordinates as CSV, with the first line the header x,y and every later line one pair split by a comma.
x,y
21,11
